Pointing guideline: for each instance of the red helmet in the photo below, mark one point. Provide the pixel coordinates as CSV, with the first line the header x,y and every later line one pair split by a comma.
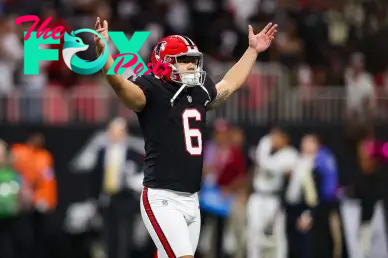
x,y
172,50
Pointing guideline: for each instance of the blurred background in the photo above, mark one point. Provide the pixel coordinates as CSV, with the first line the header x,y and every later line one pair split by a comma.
x,y
326,73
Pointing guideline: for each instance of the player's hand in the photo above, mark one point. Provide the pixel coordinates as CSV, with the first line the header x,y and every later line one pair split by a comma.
x,y
261,41
101,27
304,222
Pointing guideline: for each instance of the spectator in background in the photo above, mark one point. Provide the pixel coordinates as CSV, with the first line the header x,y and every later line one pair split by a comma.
x,y
383,80
238,215
224,38
178,17
313,218
369,186
275,159
22,6
58,72
382,92
11,52
360,91
35,164
202,14
338,25
224,167
100,9
289,46
116,184
15,234
335,77
243,9
105,12
312,29
32,87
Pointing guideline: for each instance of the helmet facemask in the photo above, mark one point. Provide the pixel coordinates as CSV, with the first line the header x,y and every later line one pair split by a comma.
x,y
192,78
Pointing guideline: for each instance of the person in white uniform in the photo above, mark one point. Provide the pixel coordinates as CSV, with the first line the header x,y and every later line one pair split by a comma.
x,y
265,217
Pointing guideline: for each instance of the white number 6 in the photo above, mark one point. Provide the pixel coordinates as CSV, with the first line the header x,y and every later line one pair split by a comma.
x,y
192,133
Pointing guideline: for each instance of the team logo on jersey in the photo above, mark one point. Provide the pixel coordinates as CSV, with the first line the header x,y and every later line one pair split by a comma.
x,y
190,99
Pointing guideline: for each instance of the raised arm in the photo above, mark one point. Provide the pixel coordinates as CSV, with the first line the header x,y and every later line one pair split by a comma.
x,y
129,93
237,75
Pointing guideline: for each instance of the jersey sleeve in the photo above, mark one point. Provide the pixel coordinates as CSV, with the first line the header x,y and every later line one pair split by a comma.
x,y
211,88
144,83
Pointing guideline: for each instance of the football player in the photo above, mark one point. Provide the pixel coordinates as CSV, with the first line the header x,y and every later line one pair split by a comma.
x,y
275,159
171,109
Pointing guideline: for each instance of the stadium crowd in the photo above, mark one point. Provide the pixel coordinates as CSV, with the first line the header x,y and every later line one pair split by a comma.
x,y
316,44
28,196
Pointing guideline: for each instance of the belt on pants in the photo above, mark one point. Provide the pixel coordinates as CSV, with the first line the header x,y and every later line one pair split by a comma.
x,y
269,193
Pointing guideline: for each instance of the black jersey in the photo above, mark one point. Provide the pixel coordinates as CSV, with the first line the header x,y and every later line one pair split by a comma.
x,y
173,133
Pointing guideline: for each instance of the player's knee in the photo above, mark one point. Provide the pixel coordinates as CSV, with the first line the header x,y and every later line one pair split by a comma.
x,y
187,256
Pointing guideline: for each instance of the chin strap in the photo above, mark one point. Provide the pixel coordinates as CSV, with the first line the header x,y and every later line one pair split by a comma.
x,y
177,94
181,89
208,95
